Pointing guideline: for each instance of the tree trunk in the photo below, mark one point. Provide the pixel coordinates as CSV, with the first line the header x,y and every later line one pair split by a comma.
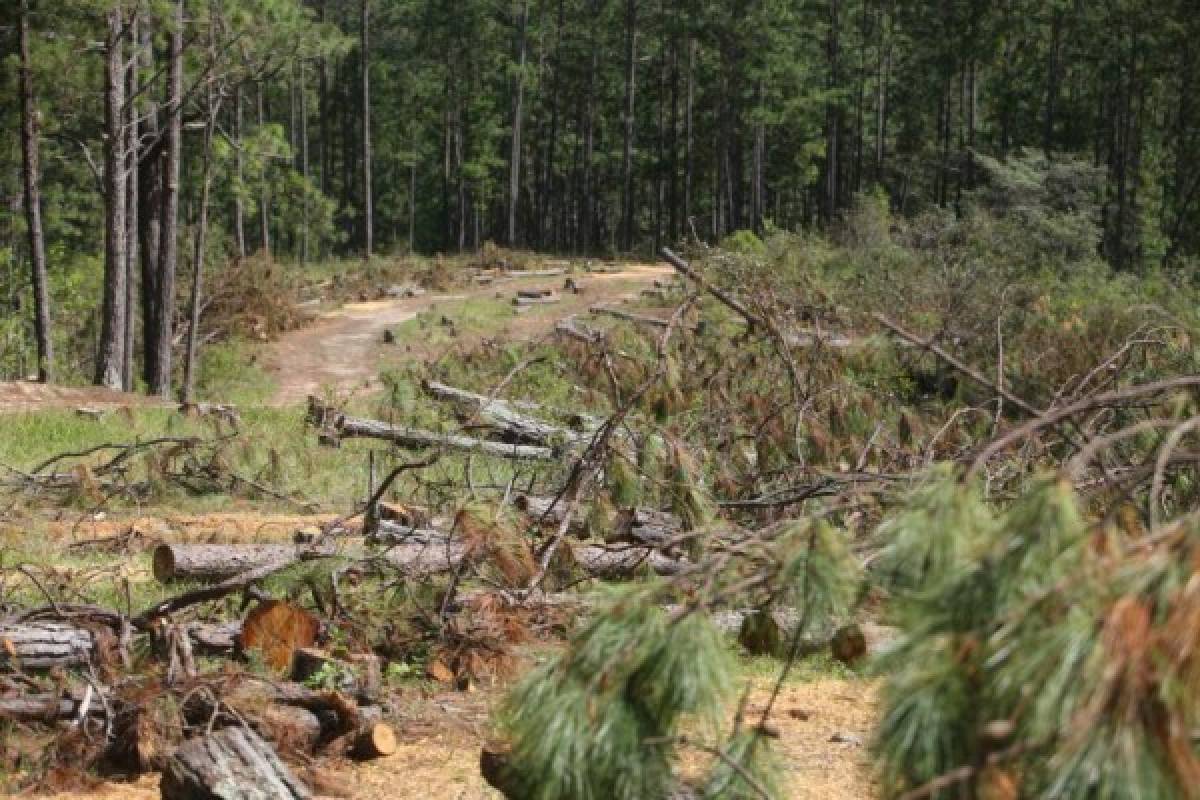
x,y
239,213
627,214
132,154
109,355
229,764
833,116
368,203
189,365
211,563
150,211
689,106
264,200
355,427
168,247
31,174
514,168
304,167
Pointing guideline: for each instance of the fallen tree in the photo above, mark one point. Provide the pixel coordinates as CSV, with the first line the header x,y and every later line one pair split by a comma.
x,y
230,764
342,426
501,417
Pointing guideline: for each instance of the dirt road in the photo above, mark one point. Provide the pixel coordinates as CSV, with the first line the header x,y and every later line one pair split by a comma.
x,y
343,349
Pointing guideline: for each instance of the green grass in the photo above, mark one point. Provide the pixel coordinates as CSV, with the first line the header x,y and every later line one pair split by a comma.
x,y
442,323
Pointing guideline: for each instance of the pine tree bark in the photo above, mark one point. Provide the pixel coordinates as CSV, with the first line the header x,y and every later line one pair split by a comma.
x,y
627,212
160,350
239,212
264,200
149,211
368,202
514,168
213,105
132,153
31,184
109,354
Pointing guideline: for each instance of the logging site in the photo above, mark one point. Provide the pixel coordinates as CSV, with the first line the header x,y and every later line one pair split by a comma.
x,y
599,400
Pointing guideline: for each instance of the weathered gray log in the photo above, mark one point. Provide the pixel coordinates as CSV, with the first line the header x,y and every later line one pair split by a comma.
x,y
209,563
526,302
213,638
814,338
418,560
535,273
571,328
42,645
601,562
501,416
648,526
407,290
51,707
429,554
229,764
535,294
638,319
387,532
357,427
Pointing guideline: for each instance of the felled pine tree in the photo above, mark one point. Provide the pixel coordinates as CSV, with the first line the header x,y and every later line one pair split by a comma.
x,y
608,717
1043,656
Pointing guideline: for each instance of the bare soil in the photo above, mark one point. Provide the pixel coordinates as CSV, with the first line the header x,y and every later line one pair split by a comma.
x,y
344,349
441,735
20,396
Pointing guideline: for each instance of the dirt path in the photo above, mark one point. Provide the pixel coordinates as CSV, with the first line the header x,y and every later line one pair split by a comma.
x,y
343,350
21,396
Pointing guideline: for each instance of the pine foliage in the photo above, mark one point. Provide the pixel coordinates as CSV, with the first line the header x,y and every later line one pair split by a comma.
x,y
598,721
1061,655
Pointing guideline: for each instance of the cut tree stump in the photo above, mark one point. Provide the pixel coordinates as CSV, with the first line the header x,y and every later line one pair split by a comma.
x,y
277,630
376,740
42,645
230,764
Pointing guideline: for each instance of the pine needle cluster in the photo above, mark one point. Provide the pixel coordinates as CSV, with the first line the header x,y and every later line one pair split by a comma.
x,y
1043,656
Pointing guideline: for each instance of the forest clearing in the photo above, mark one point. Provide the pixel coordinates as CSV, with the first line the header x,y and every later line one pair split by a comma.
x,y
599,400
